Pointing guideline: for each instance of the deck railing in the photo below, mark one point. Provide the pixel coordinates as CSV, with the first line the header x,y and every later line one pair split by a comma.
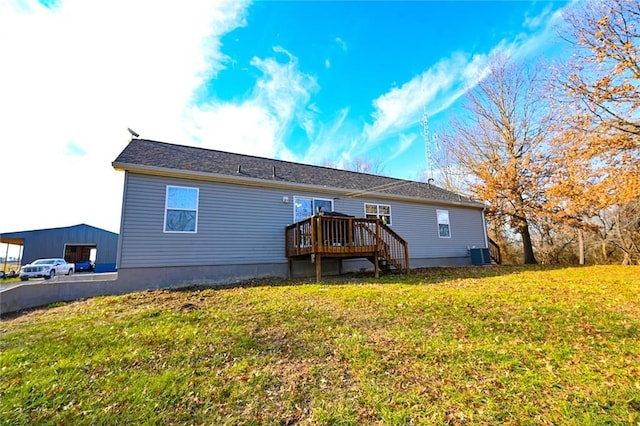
x,y
347,237
494,251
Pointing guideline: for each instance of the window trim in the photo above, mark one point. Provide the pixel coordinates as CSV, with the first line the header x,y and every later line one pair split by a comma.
x,y
378,205
302,197
167,208
448,223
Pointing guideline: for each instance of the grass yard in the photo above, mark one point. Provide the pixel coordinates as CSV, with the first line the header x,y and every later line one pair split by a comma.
x,y
494,345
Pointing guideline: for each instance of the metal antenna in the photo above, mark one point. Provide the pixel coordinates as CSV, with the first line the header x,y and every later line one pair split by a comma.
x,y
427,142
133,133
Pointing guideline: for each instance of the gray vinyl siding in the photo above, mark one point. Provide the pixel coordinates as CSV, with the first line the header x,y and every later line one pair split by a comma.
x,y
417,224
236,225
245,225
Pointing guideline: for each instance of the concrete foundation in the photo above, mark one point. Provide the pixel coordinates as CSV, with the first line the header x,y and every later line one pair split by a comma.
x,y
32,294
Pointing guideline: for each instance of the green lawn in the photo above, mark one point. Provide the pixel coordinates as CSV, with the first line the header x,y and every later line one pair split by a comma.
x,y
493,345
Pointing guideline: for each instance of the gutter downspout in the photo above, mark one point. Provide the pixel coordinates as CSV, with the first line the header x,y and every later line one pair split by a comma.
x,y
484,229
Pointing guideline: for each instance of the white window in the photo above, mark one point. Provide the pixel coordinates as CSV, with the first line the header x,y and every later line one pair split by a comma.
x,y
304,207
380,211
444,229
181,209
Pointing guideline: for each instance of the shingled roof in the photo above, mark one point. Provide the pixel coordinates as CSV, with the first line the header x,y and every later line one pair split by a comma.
x,y
142,155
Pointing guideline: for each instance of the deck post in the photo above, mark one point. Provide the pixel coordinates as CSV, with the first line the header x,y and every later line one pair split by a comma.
x,y
318,268
319,240
314,242
376,264
406,257
378,248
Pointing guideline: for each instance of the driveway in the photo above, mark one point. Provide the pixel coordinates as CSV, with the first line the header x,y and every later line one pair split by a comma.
x,y
80,276
20,295
4,285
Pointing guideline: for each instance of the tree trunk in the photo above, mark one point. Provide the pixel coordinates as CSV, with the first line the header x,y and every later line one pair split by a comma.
x,y
580,247
623,244
529,257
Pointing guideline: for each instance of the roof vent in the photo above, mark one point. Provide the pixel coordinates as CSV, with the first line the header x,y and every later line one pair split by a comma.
x,y
274,171
239,168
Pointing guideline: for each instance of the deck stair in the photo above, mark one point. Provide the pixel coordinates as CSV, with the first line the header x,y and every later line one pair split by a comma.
x,y
494,250
346,237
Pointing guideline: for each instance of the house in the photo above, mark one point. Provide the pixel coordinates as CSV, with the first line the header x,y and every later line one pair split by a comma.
x,y
192,215
73,243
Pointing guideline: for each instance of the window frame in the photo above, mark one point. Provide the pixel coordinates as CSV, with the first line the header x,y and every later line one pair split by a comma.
x,y
448,222
378,214
167,208
313,207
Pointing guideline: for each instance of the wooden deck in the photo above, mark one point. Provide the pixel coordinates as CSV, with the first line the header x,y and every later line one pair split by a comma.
x,y
324,236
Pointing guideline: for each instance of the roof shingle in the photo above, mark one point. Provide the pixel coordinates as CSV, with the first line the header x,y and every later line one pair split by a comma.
x,y
141,153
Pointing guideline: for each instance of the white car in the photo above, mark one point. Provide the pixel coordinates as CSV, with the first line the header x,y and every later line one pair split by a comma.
x,y
46,268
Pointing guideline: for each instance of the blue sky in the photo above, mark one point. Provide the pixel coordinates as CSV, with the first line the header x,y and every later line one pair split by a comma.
x,y
313,82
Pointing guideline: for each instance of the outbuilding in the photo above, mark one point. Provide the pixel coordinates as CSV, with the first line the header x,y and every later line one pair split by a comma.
x,y
73,243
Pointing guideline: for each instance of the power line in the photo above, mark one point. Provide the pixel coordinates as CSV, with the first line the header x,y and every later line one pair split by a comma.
x,y
384,187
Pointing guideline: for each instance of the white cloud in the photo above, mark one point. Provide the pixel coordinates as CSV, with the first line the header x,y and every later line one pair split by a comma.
x,y
544,41
434,89
284,90
342,44
404,142
74,77
260,124
437,88
396,112
399,111
246,129
536,21
330,139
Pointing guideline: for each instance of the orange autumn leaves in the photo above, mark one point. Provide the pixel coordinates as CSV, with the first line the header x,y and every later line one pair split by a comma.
x,y
552,147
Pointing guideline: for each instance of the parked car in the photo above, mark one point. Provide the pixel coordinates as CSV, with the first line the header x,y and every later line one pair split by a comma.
x,y
46,268
84,265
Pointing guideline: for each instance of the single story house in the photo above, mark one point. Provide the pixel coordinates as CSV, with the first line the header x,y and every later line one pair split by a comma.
x,y
72,243
192,215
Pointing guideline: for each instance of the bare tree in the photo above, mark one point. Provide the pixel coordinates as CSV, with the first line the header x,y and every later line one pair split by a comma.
x,y
600,92
603,77
360,165
619,236
501,145
446,174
